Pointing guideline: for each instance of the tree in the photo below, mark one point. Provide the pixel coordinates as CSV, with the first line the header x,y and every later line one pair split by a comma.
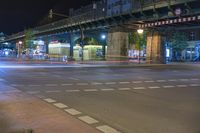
x,y
28,43
138,40
178,44
87,41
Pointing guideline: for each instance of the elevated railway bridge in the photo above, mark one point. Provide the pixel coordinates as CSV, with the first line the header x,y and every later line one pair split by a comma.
x,y
155,16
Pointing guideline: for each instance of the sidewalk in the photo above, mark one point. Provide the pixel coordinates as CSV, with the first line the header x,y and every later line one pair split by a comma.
x,y
19,111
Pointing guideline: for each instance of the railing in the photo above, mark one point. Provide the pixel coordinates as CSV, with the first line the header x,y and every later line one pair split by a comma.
x,y
91,15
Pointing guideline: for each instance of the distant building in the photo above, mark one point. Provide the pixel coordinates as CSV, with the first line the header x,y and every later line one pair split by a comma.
x,y
116,7
95,9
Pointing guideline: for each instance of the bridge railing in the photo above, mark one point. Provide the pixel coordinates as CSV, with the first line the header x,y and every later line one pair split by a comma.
x,y
90,15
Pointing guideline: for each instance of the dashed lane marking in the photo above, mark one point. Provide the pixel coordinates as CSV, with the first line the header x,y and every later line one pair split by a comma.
x,y
16,85
137,82
182,86
88,119
139,88
149,81
168,86
172,80
124,89
184,79
107,129
110,83
72,90
90,90
107,89
74,78
50,85
82,84
124,82
53,91
160,81
73,111
34,85
49,100
33,92
2,80
154,87
195,79
96,83
194,85
11,91
66,84
60,105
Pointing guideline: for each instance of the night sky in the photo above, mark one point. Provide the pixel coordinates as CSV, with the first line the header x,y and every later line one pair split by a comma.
x,y
17,15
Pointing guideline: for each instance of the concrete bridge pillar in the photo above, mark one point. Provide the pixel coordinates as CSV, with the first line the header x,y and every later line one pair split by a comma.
x,y
117,45
155,48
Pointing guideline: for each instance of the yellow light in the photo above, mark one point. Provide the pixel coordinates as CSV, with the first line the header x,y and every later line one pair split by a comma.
x,y
140,31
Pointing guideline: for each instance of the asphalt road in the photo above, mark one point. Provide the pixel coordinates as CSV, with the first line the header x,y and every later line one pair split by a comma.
x,y
146,99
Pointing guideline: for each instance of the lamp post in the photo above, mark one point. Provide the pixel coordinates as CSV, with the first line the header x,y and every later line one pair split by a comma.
x,y
140,32
19,45
103,37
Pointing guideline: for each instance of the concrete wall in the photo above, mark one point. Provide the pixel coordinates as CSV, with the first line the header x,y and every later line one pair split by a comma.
x,y
155,48
117,46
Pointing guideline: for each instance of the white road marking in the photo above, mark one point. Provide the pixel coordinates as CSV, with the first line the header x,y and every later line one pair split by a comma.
x,y
2,80
172,80
53,91
139,88
40,96
110,83
96,83
107,129
154,87
124,82
72,90
33,92
17,85
51,85
12,91
82,84
168,86
161,81
49,100
73,111
90,90
184,79
195,79
34,85
66,84
181,86
137,82
107,89
74,78
124,89
88,119
60,105
149,81
194,85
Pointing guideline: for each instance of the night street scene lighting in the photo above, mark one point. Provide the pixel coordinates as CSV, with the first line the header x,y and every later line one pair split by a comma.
x,y
101,66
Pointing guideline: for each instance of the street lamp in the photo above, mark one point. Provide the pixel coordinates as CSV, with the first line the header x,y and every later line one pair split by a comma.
x,y
19,45
103,37
140,32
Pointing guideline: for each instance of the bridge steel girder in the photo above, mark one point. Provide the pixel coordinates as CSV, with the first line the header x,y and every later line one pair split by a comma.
x,y
135,16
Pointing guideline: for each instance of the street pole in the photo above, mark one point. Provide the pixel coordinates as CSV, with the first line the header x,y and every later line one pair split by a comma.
x,y
81,43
